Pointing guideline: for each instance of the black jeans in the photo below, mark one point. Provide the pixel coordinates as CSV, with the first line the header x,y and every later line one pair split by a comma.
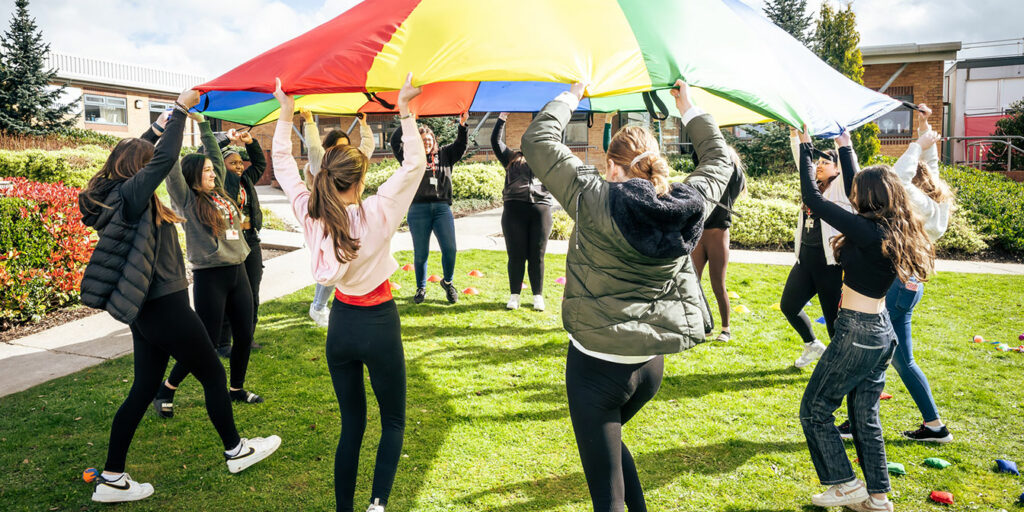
x,y
811,276
254,271
167,327
368,336
603,396
215,292
853,366
526,227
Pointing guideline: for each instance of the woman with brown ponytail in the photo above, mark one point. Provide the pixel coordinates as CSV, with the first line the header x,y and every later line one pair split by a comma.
x,y
631,294
217,251
350,242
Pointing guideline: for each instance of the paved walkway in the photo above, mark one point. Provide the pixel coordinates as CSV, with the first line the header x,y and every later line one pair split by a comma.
x,y
68,348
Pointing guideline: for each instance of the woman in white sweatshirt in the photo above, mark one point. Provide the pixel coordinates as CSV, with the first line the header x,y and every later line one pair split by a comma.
x,y
350,243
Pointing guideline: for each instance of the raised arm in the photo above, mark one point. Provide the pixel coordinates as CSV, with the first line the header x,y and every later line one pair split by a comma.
x,y
498,141
848,165
155,130
453,152
211,148
855,227
257,161
935,216
394,196
551,161
366,143
396,144
711,177
286,171
314,147
137,191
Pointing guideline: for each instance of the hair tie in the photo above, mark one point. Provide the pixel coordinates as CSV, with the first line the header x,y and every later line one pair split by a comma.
x,y
641,156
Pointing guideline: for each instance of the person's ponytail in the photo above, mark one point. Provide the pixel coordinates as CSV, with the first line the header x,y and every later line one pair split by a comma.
x,y
343,167
634,149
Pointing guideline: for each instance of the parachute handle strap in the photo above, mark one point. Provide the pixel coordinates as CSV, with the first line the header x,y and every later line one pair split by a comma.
x,y
372,96
650,101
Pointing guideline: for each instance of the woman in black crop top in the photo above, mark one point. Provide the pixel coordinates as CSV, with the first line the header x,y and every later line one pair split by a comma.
x,y
881,241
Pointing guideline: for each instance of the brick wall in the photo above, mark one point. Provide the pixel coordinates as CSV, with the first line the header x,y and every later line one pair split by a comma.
x,y
921,79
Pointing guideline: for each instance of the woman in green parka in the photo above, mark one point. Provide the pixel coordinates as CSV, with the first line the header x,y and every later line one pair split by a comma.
x,y
631,295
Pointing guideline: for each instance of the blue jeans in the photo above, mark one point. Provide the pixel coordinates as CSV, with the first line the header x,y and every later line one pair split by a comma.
x,y
423,219
322,294
900,302
853,366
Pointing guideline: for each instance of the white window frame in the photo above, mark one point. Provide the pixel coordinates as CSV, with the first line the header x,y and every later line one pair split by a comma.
x,y
107,101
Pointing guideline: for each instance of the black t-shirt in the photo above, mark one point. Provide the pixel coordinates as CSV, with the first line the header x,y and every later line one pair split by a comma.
x,y
169,267
812,229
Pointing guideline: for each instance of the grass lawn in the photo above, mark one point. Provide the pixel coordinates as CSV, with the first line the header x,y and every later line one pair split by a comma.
x,y
488,427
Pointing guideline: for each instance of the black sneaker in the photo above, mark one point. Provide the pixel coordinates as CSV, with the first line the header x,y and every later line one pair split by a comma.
x,y
224,351
450,292
421,293
844,430
928,435
163,407
244,396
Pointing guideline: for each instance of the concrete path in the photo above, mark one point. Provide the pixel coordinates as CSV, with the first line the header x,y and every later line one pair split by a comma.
x,y
68,348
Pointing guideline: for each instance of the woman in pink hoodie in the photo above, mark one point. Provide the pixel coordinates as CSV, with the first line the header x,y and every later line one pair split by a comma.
x,y
350,242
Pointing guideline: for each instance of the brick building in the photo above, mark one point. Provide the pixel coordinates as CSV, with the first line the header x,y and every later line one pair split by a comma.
x,y
119,99
910,72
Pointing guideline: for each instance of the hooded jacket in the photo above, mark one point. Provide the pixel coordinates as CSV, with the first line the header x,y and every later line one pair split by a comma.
x,y
631,289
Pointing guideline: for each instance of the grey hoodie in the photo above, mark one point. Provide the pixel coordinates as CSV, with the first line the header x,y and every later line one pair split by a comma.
x,y
203,248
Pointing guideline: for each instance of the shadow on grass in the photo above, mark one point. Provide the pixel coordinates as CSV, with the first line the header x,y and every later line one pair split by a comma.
x,y
657,469
701,384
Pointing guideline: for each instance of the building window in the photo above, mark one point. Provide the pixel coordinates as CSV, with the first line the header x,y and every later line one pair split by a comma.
x,y
156,108
106,110
576,132
382,125
483,131
899,122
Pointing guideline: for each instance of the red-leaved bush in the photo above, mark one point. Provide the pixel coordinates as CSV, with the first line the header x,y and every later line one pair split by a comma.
x,y
44,248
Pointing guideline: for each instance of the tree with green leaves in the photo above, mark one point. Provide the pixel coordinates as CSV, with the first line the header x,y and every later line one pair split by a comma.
x,y
836,42
27,104
791,16
1012,124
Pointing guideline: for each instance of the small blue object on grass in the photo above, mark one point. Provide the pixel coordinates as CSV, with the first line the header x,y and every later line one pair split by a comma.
x,y
821,320
1007,466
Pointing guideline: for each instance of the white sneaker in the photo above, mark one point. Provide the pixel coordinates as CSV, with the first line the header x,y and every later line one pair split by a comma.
x,y
252,451
513,301
375,506
122,489
538,302
320,316
812,351
870,505
839,495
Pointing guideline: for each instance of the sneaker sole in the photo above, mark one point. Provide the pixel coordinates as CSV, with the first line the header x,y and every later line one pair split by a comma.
x,y
852,500
939,440
247,463
115,499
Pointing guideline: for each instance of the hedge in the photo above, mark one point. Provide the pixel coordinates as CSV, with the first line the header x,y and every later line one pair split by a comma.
x,y
997,202
73,167
469,181
44,248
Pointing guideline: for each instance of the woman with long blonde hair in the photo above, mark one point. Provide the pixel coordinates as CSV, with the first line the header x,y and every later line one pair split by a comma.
x,y
350,242
884,240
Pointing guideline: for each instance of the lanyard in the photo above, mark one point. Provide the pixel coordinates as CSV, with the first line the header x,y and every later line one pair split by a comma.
x,y
241,197
224,206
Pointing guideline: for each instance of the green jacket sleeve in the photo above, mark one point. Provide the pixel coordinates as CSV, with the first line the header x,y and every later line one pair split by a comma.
x,y
551,161
712,176
212,149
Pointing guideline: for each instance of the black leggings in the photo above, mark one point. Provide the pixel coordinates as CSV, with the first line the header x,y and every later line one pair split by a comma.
x,y
811,276
167,327
254,271
526,227
370,336
603,396
216,291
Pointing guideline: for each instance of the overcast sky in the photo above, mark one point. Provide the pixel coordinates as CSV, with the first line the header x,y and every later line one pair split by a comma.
x,y
209,37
